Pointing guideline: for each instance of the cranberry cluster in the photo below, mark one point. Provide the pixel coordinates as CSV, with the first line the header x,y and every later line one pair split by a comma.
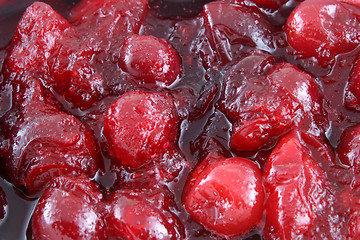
x,y
183,119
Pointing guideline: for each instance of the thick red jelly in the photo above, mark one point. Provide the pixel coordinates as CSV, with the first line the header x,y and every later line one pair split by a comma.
x,y
179,119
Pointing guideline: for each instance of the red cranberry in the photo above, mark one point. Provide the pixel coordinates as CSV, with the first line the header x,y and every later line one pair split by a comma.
x,y
106,23
35,38
143,213
264,99
69,209
225,195
297,189
139,126
41,142
229,24
160,64
323,29
348,149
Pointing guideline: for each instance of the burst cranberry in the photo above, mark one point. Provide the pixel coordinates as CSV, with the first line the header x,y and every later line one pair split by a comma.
x,y
41,46
348,149
108,22
143,213
270,99
160,64
139,126
41,142
229,24
35,38
296,186
323,29
69,209
225,195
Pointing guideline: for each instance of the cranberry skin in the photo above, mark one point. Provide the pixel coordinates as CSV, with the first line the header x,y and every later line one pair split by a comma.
x,y
348,149
69,209
139,126
264,100
41,142
296,186
141,213
323,29
225,195
41,46
35,38
150,59
229,24
106,23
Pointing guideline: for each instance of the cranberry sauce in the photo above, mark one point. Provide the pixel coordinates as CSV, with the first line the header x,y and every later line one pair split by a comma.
x,y
211,89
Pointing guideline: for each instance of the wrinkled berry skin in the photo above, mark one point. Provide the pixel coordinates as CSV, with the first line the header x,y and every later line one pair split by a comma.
x,y
225,195
159,65
69,209
348,149
242,26
40,142
323,29
265,99
297,187
143,213
139,126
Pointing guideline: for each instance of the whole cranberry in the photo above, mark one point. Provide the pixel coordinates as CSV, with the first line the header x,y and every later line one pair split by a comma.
x,y
139,126
143,213
150,59
323,29
225,195
69,209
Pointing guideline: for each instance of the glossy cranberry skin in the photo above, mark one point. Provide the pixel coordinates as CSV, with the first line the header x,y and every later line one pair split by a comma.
x,y
297,188
229,24
142,213
41,142
323,29
160,65
348,149
69,209
35,38
264,99
139,126
225,195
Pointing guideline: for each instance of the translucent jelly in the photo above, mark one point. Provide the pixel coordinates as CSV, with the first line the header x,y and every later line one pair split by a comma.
x,y
179,119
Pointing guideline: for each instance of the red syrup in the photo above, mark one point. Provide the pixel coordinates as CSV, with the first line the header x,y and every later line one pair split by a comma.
x,y
204,126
